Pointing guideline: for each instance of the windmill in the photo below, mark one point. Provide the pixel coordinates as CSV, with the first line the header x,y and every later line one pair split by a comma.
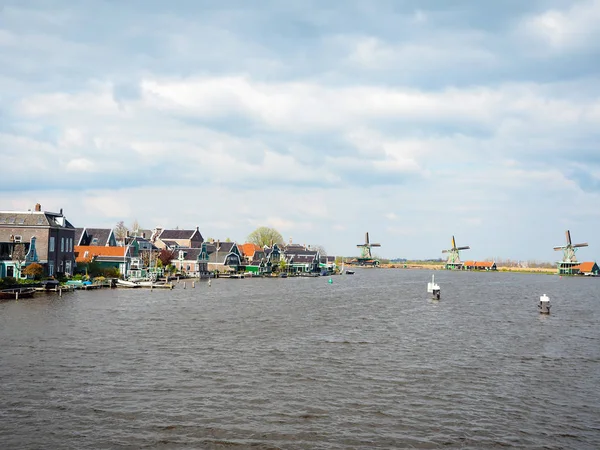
x,y
366,258
569,259
453,261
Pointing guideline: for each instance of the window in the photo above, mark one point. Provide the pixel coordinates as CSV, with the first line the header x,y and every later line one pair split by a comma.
x,y
68,268
11,220
40,220
51,267
18,238
86,254
69,244
62,244
51,244
21,221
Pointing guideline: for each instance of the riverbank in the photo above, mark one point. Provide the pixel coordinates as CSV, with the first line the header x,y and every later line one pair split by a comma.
x,y
438,266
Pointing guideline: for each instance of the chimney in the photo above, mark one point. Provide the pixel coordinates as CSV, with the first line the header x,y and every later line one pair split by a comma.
x,y
61,212
38,207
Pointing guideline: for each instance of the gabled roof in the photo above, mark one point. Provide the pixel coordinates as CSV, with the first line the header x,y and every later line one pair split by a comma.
x,y
189,254
97,236
179,234
97,250
586,267
33,219
78,233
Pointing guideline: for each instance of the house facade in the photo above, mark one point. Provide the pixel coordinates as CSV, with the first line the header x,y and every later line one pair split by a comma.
x,y
192,261
44,237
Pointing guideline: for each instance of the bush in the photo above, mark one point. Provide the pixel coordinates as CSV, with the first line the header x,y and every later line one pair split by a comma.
x,y
34,270
8,281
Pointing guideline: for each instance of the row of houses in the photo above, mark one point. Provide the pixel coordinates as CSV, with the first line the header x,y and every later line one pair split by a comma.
x,y
49,239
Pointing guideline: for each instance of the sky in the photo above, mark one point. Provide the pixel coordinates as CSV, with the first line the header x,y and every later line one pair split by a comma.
x,y
413,120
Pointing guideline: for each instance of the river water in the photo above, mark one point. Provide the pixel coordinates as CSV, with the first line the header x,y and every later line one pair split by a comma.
x,y
368,361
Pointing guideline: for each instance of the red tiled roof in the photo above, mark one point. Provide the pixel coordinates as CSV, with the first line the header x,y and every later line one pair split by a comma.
x,y
95,250
248,249
585,267
478,263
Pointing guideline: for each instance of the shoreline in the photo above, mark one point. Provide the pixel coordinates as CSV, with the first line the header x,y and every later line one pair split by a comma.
x,y
417,266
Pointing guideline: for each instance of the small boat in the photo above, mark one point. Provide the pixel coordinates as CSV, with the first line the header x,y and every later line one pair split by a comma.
x,y
349,272
15,294
128,284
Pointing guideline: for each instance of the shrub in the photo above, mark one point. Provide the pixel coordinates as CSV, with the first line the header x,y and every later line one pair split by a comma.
x,y
34,270
8,281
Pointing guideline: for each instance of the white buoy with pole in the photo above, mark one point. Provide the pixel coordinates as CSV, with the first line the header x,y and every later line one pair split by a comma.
x,y
544,304
433,288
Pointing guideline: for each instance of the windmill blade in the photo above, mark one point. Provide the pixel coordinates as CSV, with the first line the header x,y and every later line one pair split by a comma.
x,y
580,245
375,245
453,242
560,248
367,238
463,248
446,251
568,237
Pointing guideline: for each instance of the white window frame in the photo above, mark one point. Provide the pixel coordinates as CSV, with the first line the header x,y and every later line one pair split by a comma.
x,y
50,268
62,244
51,249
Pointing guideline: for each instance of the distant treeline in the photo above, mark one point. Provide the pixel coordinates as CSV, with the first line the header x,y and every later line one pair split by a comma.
x,y
500,262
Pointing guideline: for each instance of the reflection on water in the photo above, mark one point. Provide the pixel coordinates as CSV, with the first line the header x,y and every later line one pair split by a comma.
x,y
369,361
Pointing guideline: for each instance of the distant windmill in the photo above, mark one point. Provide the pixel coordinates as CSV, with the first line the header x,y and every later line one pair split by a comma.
x,y
569,259
453,261
366,258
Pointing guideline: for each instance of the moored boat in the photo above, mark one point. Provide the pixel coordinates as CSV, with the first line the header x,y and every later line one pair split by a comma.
x,y
15,294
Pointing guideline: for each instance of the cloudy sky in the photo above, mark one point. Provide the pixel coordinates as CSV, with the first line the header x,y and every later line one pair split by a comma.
x,y
413,120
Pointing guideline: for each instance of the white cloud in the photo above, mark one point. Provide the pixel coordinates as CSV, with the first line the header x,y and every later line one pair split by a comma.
x,y
567,29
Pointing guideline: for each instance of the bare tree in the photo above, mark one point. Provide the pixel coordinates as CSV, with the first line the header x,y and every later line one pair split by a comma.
x,y
19,254
121,231
135,227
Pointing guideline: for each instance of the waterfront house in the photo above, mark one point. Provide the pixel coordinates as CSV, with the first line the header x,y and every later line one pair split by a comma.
x,y
272,258
589,268
224,257
192,262
173,239
299,259
479,265
107,257
37,236
253,257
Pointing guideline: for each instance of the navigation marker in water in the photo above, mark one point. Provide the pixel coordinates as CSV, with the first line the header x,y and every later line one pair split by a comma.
x,y
544,305
434,289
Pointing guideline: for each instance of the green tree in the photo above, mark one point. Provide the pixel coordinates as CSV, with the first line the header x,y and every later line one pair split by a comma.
x,y
265,236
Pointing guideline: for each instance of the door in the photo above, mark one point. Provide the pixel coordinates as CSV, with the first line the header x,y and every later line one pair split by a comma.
x,y
10,271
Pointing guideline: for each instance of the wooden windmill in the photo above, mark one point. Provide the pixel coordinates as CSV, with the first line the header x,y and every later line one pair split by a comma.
x,y
366,258
453,261
565,267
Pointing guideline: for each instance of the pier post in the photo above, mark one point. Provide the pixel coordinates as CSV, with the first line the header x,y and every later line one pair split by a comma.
x,y
193,284
17,295
60,292
184,284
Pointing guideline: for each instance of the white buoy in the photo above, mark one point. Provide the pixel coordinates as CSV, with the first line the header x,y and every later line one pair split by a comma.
x,y
544,305
434,289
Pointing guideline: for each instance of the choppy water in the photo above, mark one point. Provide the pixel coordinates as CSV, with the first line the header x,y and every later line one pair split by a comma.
x,y
366,362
